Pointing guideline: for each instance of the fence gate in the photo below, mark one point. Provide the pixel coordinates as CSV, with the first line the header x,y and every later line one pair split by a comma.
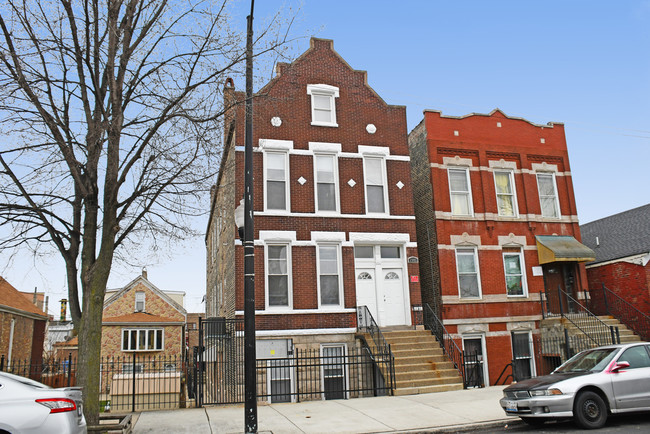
x,y
218,365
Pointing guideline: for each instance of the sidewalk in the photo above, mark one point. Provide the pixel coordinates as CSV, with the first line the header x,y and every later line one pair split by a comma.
x,y
433,412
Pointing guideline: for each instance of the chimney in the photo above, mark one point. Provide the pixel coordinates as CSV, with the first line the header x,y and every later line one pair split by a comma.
x,y
64,306
47,299
144,273
35,295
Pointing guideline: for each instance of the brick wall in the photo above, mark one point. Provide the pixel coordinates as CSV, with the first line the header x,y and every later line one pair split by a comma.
x,y
630,281
154,304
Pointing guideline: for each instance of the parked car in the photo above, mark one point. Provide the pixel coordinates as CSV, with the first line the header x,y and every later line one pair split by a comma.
x,y
27,406
587,387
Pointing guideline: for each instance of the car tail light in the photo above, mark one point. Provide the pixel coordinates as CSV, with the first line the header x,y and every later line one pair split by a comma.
x,y
58,405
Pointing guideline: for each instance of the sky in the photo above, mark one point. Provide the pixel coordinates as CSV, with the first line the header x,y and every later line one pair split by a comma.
x,y
585,63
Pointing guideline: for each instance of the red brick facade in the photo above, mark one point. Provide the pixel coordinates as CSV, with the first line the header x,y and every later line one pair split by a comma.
x,y
627,279
473,149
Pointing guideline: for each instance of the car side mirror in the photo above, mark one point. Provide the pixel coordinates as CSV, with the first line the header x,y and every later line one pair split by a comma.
x,y
620,365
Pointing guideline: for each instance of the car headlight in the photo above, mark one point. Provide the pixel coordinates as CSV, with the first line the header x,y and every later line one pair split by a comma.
x,y
545,392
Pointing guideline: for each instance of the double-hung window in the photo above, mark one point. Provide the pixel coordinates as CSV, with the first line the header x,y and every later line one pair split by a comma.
x,y
506,200
142,339
323,104
276,180
548,195
459,190
468,272
375,177
513,263
329,275
326,182
139,301
277,274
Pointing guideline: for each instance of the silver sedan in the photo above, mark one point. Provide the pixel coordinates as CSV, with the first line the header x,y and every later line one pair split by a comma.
x,y
27,406
587,387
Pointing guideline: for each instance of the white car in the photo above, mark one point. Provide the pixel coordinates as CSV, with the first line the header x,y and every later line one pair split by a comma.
x,y
587,387
27,406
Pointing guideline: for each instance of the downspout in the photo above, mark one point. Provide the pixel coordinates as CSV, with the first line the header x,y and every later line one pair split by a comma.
x,y
11,341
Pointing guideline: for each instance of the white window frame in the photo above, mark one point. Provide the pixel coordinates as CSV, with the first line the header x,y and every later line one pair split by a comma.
x,y
146,333
289,306
557,199
286,182
531,349
335,174
478,271
339,268
486,370
269,378
327,91
513,192
140,297
346,372
522,265
382,161
470,200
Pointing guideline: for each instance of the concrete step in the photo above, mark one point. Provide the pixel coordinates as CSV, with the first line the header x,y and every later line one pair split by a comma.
x,y
401,384
427,389
413,339
427,366
405,333
428,346
424,359
426,375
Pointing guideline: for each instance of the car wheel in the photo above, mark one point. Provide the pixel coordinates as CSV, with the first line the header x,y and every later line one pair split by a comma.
x,y
589,410
533,421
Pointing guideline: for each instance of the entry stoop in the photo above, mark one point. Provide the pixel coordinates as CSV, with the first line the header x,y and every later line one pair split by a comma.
x,y
420,364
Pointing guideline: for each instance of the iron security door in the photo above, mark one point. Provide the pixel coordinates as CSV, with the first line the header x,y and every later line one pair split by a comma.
x,y
521,356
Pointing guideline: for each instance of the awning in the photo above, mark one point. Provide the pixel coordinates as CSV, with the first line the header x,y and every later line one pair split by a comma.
x,y
562,248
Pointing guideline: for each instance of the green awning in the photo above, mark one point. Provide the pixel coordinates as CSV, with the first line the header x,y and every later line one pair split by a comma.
x,y
562,248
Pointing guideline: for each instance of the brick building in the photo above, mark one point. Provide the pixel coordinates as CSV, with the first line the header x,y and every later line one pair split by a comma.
x,y
622,246
22,326
334,222
497,226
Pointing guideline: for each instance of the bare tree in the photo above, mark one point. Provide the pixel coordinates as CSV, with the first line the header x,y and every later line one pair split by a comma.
x,y
109,113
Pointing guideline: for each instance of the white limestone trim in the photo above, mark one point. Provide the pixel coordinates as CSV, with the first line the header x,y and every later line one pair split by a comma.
x,y
544,167
379,237
277,236
294,243
337,216
465,239
491,320
457,161
325,147
284,145
512,240
487,335
502,164
318,236
484,247
300,311
465,329
490,298
309,152
516,326
491,169
305,332
323,88
446,215
374,150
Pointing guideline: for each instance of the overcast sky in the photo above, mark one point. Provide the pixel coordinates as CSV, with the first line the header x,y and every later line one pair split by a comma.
x,y
585,63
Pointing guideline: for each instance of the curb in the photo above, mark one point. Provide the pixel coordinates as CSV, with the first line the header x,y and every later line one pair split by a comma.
x,y
474,426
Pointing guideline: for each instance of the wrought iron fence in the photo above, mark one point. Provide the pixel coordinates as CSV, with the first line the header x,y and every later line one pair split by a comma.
x,y
604,301
552,351
378,349
132,383
449,346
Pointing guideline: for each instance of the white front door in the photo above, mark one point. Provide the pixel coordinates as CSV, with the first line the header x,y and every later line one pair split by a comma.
x,y
393,292
366,290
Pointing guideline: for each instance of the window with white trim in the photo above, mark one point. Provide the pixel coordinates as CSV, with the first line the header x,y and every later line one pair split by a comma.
x,y
548,199
329,275
277,185
513,264
278,272
469,285
142,339
323,104
334,371
375,181
460,192
139,301
505,190
326,182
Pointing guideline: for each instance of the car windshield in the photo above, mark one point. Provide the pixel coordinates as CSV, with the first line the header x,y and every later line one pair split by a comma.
x,y
588,361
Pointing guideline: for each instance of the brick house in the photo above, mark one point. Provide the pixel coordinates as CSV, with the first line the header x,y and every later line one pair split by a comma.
x,y
622,246
22,326
334,223
143,319
497,226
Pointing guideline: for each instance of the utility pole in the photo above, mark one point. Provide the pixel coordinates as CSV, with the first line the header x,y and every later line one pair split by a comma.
x,y
250,386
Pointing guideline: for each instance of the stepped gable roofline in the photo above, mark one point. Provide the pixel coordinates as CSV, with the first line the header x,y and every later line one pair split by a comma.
x,y
140,318
496,113
281,67
152,287
13,300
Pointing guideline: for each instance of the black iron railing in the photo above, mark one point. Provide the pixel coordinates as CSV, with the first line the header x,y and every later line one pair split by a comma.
x,y
604,301
562,304
378,349
552,351
449,346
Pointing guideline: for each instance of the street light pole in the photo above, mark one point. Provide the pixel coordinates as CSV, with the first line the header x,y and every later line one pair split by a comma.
x,y
250,386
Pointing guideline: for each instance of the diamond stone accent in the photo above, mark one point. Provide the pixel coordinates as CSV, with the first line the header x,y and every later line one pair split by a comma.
x,y
302,180
352,183
400,185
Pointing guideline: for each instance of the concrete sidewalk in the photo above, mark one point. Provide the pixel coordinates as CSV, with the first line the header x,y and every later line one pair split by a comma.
x,y
442,412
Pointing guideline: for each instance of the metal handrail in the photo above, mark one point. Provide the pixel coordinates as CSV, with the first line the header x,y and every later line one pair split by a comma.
x,y
449,346
366,324
511,375
623,310
588,323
